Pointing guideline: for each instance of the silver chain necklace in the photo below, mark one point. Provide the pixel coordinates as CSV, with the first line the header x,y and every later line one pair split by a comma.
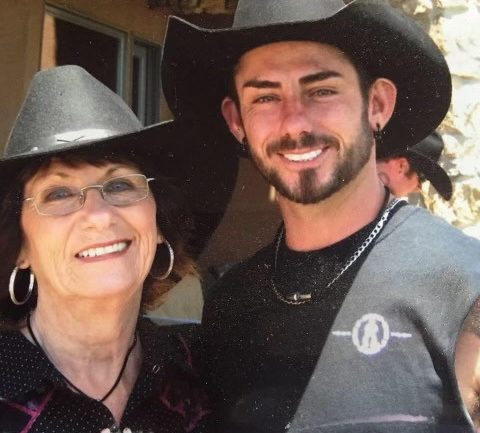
x,y
298,298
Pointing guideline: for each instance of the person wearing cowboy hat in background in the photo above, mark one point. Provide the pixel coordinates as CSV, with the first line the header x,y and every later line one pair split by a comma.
x,y
347,321
92,235
404,173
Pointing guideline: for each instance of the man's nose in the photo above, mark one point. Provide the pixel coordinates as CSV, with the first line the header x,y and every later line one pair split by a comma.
x,y
295,120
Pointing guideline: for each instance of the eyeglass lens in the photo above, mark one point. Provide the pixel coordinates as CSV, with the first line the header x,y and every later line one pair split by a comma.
x,y
118,191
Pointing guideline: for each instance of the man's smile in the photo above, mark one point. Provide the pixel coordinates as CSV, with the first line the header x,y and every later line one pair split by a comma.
x,y
304,156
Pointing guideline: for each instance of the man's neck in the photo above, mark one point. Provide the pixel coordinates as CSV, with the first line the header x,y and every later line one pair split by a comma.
x,y
316,226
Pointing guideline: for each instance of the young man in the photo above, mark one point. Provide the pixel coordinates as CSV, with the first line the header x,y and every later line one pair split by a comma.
x,y
348,320
403,173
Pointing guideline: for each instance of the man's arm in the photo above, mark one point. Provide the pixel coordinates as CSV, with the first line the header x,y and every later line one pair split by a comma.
x,y
467,363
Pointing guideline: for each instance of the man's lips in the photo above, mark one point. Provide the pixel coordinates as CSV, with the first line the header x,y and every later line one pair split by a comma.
x,y
302,154
100,250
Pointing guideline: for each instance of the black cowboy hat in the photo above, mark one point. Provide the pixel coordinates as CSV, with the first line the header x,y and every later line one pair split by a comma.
x,y
197,63
67,110
424,156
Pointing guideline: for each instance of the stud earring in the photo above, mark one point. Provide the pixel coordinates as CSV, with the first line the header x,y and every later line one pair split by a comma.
x,y
244,149
378,135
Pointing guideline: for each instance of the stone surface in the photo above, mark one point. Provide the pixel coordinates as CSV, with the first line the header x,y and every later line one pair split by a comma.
x,y
455,27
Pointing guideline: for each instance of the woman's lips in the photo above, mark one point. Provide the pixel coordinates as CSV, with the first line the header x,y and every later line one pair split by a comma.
x,y
99,251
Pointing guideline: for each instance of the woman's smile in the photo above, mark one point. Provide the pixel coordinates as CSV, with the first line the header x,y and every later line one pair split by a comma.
x,y
104,251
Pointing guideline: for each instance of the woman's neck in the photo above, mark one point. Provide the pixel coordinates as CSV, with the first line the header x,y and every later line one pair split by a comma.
x,y
86,329
88,341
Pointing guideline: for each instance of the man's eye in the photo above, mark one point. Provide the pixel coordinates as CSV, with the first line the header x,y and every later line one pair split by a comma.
x,y
265,98
57,194
118,185
322,92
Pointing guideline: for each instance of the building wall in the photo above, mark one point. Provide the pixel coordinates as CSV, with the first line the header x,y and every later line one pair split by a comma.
x,y
20,38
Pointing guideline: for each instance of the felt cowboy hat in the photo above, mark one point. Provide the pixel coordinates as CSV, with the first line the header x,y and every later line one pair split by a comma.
x,y
197,63
67,110
423,157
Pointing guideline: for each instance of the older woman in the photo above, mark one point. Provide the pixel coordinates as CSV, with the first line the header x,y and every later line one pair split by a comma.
x,y
91,236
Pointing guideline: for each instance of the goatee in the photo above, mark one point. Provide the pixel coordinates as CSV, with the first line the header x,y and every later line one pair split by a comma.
x,y
308,189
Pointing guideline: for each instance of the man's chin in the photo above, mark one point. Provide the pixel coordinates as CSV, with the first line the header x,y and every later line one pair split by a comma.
x,y
309,194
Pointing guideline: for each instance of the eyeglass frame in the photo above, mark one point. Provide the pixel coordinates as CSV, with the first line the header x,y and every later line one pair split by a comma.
x,y
83,197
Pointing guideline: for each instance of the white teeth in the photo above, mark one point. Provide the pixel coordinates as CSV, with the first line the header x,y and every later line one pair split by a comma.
x,y
301,157
100,251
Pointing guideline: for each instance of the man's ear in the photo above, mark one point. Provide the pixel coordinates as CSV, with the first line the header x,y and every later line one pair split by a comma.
x,y
232,116
382,98
403,165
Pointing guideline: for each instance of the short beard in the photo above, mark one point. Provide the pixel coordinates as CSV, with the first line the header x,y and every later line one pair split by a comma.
x,y
308,190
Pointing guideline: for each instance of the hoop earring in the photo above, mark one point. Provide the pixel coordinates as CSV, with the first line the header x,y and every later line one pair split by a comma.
x,y
170,265
11,287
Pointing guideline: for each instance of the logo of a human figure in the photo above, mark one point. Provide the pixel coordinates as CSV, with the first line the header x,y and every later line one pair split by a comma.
x,y
370,334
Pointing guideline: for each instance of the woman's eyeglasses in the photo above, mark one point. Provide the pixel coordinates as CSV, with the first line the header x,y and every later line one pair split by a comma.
x,y
64,199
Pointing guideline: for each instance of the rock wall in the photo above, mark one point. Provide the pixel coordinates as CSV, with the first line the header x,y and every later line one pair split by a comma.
x,y
455,26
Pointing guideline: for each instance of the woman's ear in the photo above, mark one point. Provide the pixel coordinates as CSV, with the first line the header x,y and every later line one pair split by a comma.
x,y
22,261
382,98
232,116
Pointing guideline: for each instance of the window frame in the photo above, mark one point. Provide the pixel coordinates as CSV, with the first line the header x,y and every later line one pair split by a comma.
x,y
91,24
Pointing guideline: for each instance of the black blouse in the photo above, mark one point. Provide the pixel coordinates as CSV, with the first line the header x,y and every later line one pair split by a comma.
x,y
166,396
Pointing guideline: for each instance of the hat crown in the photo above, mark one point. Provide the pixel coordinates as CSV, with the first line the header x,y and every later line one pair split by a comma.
x,y
253,13
66,106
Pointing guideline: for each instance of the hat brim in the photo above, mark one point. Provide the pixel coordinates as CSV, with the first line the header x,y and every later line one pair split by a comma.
x,y
197,63
432,171
205,171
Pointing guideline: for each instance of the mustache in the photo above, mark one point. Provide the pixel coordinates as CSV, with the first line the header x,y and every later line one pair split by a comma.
x,y
305,141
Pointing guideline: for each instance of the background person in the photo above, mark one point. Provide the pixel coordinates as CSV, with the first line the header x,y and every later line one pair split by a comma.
x,y
92,234
404,173
347,321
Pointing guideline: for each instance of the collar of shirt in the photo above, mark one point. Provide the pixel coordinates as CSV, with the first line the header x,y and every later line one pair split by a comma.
x,y
25,367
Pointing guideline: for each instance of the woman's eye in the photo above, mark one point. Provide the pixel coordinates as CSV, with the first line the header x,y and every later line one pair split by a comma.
x,y
118,185
57,194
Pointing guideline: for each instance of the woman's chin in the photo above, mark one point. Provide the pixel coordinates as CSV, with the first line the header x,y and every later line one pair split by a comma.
x,y
106,288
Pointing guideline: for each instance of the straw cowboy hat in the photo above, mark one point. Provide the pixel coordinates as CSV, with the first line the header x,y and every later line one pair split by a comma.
x,y
67,110
197,63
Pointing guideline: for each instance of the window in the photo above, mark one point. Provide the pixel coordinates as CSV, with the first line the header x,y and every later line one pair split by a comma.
x,y
146,82
71,39
102,50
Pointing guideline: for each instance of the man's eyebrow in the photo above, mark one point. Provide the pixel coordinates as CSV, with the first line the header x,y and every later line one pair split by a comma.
x,y
261,84
319,76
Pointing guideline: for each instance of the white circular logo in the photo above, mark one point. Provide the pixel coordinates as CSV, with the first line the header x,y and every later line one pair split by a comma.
x,y
370,334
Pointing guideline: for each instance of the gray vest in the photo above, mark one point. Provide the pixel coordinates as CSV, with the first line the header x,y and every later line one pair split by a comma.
x,y
388,364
